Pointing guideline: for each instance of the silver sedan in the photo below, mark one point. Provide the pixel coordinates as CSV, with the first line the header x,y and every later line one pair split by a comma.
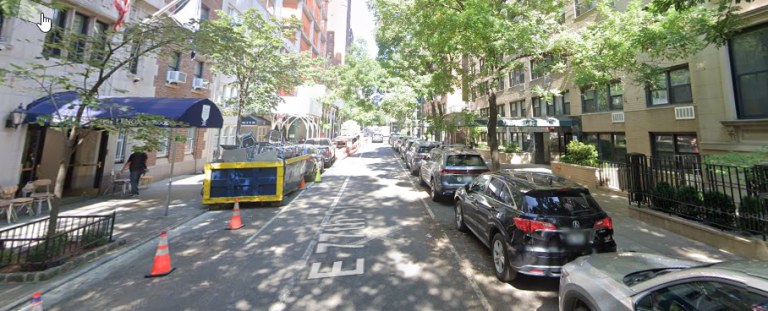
x,y
646,282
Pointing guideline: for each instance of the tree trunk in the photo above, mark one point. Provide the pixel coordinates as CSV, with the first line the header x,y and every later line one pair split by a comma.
x,y
61,177
239,124
493,143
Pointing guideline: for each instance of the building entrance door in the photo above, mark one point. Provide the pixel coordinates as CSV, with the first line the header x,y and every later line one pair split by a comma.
x,y
33,153
538,148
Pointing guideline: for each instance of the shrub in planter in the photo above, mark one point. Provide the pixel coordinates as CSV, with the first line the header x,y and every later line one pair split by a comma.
x,y
690,201
751,214
720,209
581,154
663,196
512,148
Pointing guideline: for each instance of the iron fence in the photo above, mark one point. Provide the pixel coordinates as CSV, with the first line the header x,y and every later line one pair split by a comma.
x,y
726,197
28,246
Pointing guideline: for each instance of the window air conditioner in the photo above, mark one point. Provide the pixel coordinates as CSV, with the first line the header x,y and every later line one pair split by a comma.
x,y
199,84
617,117
176,77
685,113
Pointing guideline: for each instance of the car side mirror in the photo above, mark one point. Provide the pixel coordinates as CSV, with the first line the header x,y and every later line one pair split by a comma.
x,y
466,187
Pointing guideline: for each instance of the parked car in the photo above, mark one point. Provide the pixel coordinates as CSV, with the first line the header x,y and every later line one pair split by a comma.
x,y
314,162
404,147
445,170
418,151
646,282
326,148
400,140
392,139
534,223
377,138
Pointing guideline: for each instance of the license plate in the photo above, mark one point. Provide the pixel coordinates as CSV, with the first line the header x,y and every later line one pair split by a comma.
x,y
576,238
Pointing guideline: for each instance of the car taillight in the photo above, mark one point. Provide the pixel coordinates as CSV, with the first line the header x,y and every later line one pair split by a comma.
x,y
531,226
309,159
604,223
444,171
477,172
327,152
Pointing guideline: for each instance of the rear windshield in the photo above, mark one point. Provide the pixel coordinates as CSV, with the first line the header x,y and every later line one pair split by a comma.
x,y
569,204
464,160
425,149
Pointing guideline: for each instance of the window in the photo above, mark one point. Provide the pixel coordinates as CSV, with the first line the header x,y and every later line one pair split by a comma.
x,y
174,61
605,98
500,110
120,148
550,108
536,103
542,108
199,69
513,109
162,152
516,77
749,65
79,27
566,103
669,144
205,13
499,191
703,295
99,42
464,160
610,146
501,83
582,6
671,87
54,36
561,204
133,66
479,184
485,112
542,67
189,145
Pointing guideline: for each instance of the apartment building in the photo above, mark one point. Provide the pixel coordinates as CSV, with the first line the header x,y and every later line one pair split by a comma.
x,y
713,102
32,151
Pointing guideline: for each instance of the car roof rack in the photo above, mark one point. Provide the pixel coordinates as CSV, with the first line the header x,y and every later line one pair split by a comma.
x,y
454,146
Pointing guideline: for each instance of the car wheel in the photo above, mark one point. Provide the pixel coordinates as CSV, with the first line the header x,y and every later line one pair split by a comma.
x,y
581,308
435,196
460,225
500,261
415,172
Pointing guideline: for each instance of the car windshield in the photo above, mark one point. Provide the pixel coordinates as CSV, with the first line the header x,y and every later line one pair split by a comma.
x,y
425,149
567,204
465,160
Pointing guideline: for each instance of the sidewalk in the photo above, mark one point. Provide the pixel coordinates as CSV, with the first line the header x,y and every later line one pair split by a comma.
x,y
138,219
634,235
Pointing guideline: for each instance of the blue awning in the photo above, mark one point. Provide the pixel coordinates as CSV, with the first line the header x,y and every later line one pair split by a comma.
x,y
192,112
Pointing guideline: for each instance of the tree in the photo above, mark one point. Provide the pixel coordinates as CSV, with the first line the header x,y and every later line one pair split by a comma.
x,y
250,49
84,65
473,44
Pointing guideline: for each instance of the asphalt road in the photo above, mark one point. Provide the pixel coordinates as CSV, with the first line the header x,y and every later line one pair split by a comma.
x,y
365,238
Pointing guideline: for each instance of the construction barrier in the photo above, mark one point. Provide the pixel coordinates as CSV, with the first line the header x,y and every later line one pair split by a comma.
x,y
252,181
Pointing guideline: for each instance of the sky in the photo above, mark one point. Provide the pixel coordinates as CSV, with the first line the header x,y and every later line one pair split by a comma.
x,y
363,25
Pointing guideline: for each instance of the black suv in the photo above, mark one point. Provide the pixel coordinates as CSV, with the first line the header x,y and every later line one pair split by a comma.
x,y
534,223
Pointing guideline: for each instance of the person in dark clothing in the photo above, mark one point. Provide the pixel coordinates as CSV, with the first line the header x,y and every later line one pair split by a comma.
x,y
137,163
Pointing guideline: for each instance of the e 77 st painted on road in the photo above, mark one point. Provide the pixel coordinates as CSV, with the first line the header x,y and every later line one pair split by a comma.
x,y
339,227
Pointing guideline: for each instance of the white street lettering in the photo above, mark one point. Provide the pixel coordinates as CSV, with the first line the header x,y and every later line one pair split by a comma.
x,y
314,271
324,237
323,247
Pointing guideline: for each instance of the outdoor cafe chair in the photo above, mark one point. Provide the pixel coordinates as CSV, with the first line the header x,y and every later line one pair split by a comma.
x,y
40,197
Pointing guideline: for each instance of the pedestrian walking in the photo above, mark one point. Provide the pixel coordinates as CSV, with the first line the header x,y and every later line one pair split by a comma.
x,y
137,164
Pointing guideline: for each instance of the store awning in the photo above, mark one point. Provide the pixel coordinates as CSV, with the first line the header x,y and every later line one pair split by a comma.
x,y
255,120
192,112
528,122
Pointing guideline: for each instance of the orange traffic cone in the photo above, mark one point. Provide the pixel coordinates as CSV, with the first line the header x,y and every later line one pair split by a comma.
x,y
302,185
37,302
162,265
236,222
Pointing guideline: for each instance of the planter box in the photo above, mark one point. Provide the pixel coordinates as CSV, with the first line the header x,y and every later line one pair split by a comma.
x,y
583,175
508,158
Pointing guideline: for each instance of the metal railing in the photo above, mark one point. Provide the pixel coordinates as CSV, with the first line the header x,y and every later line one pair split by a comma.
x,y
28,246
613,175
726,197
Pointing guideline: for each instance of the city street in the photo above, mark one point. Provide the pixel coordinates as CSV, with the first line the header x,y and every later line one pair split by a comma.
x,y
365,238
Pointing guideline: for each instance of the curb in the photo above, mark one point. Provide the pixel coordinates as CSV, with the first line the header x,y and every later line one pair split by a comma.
x,y
19,304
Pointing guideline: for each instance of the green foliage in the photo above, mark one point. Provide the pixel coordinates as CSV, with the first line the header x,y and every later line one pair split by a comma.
x,y
690,200
48,249
720,209
249,48
95,238
740,159
581,154
512,147
751,214
663,196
